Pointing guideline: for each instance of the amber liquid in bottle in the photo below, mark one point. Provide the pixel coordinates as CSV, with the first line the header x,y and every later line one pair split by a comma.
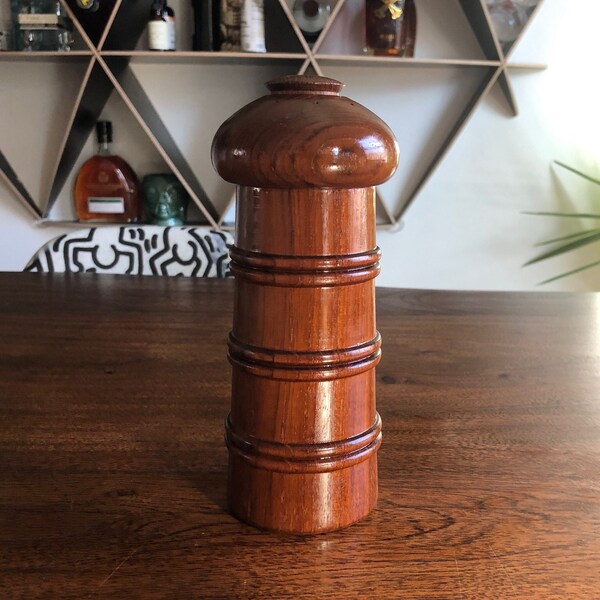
x,y
390,27
106,188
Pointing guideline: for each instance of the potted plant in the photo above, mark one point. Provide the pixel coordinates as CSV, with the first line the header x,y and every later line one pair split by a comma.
x,y
572,241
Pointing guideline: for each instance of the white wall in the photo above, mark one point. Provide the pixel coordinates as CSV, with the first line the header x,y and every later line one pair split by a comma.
x,y
466,229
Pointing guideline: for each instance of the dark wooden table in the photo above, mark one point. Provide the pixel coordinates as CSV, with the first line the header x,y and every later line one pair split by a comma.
x,y
113,393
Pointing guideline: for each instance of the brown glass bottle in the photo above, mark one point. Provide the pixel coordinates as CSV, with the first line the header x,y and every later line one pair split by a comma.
x,y
390,27
106,188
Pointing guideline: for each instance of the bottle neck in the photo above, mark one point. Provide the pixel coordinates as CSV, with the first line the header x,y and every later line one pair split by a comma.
x,y
104,148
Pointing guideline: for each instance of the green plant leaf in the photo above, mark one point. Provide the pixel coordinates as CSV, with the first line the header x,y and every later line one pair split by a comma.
x,y
560,164
585,232
566,248
559,214
578,270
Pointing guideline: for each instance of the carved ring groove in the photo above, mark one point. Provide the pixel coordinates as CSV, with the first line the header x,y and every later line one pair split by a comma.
x,y
304,458
305,366
305,271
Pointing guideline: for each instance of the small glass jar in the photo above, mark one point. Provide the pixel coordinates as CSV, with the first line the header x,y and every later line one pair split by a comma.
x,y
508,19
42,25
311,16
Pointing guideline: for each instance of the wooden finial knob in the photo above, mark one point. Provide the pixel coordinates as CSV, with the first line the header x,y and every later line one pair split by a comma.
x,y
305,135
305,84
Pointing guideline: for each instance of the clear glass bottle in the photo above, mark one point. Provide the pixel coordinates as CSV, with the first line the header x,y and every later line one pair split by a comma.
x,y
311,16
161,27
106,188
42,25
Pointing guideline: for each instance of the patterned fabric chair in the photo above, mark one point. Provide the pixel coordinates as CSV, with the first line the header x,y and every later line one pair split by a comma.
x,y
137,250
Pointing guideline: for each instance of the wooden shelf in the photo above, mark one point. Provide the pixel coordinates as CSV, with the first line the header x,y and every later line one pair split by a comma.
x,y
77,224
110,51
392,61
45,56
193,57
527,66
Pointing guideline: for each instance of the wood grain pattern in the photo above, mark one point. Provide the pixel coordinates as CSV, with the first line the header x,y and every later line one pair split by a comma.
x,y
305,135
303,432
112,467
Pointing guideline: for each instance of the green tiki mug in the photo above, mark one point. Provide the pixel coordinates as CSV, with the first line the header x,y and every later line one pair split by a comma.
x,y
165,199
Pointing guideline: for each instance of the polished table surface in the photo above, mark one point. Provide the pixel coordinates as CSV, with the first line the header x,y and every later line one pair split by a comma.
x,y
113,393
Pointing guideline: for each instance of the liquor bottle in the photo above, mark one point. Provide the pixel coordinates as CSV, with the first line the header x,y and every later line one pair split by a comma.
x,y
161,27
311,16
390,27
106,188
252,26
43,25
206,25
231,25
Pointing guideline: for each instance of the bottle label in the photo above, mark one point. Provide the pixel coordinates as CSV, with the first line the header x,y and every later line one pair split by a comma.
x,y
43,21
92,5
106,205
161,34
231,25
392,9
253,26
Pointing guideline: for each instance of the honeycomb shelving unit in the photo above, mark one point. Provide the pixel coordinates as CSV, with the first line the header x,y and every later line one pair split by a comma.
x,y
108,43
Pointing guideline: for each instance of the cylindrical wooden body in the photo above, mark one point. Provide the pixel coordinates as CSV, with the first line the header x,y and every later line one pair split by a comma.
x,y
303,431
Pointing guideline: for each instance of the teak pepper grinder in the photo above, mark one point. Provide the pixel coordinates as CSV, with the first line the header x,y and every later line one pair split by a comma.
x,y
303,431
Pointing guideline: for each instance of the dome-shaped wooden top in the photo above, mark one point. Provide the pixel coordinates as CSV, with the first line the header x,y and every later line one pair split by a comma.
x,y
304,134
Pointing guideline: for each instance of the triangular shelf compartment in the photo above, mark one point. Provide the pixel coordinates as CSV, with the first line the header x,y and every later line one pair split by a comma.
x,y
14,184
522,18
94,22
445,101
214,91
281,31
129,141
30,115
443,32
479,20
143,110
95,90
128,30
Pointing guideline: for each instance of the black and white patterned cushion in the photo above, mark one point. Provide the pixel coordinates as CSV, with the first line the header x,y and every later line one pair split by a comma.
x,y
137,250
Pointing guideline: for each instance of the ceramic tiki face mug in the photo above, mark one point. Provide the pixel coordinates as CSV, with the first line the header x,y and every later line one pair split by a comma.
x,y
303,432
165,200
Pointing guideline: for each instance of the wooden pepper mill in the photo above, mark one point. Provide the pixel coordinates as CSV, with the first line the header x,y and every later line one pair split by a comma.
x,y
303,431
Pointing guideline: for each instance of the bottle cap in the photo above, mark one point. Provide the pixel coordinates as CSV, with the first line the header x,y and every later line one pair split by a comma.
x,y
104,132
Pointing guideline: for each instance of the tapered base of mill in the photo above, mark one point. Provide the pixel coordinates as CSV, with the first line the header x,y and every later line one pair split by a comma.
x,y
303,489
